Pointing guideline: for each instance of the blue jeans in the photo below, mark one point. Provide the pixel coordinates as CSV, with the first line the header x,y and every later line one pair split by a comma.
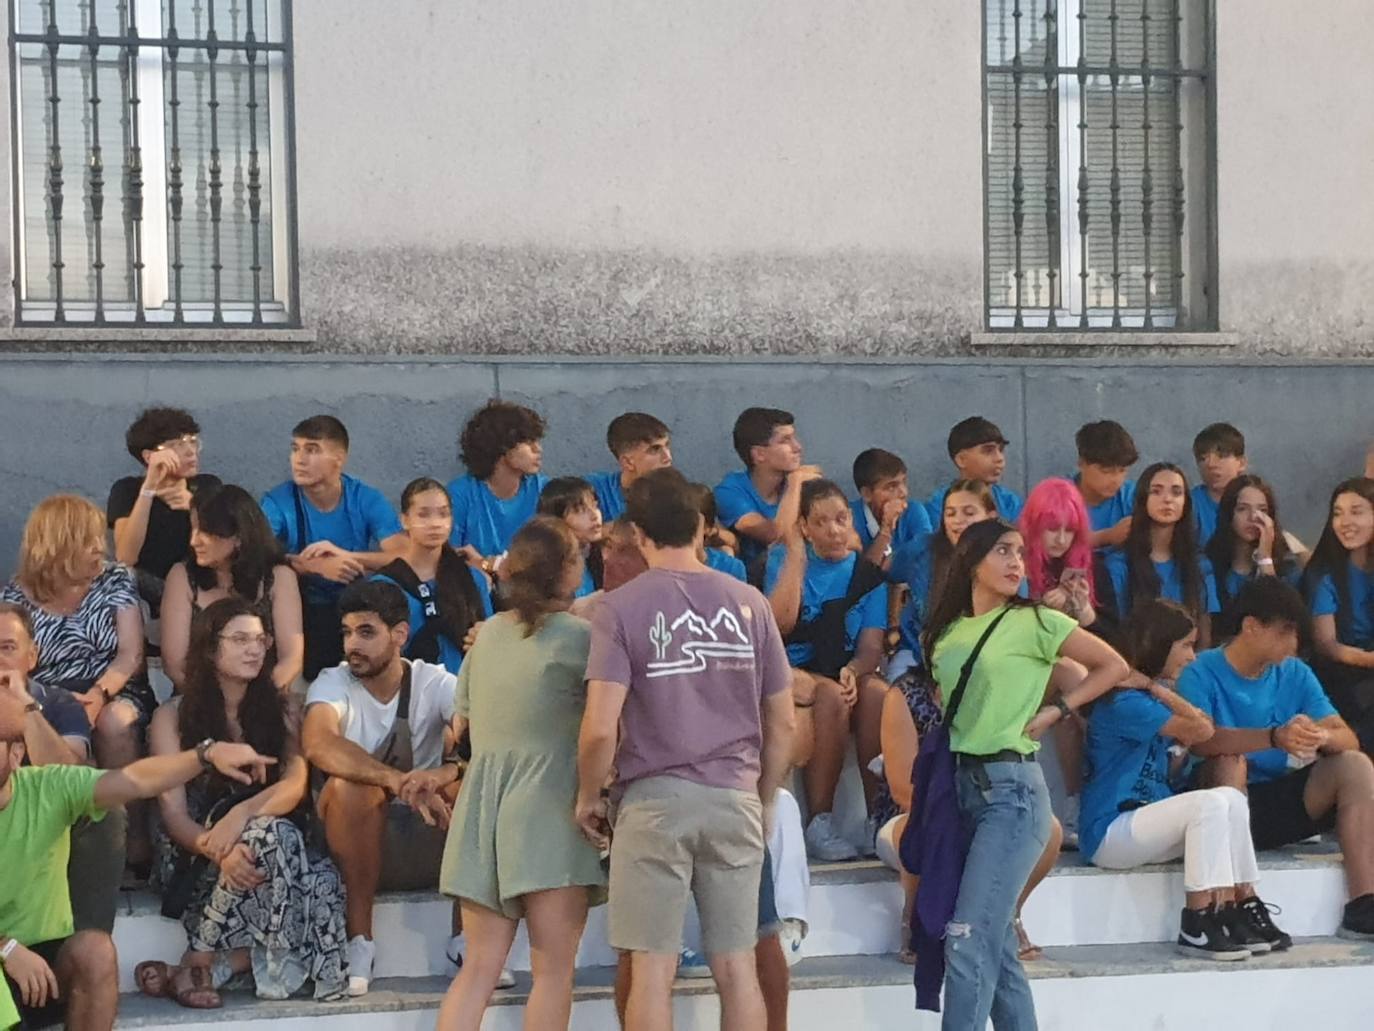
x,y
1007,809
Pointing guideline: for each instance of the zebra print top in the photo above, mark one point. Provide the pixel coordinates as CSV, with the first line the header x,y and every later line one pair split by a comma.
x,y
80,646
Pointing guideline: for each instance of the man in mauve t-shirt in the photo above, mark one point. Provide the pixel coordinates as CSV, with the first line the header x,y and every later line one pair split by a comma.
x,y
688,670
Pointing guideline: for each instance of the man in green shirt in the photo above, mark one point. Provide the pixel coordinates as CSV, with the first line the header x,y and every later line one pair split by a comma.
x,y
53,974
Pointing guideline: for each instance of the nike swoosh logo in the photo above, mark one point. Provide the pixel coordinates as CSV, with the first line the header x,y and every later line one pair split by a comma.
x,y
1200,939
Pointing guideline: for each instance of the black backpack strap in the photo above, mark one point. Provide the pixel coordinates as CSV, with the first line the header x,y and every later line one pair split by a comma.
x,y
302,520
967,671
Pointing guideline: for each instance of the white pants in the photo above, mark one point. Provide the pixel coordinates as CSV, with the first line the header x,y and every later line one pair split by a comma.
x,y
1209,829
791,875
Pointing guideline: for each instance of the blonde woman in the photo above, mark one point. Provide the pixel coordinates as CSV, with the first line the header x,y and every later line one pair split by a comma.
x,y
86,621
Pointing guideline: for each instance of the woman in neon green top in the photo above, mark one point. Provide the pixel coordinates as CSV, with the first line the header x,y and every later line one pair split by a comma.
x,y
995,734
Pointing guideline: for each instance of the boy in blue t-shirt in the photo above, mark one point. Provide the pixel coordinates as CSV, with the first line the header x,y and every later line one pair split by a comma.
x,y
640,444
835,654
760,502
979,452
500,493
1106,453
1303,767
333,527
884,518
1220,453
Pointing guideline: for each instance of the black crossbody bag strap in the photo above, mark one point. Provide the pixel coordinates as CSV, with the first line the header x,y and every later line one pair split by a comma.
x,y
302,521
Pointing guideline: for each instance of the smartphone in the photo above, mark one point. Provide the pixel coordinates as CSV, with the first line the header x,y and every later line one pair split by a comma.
x,y
1073,575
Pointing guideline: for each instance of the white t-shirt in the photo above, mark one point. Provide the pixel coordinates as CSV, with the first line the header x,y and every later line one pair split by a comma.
x,y
366,722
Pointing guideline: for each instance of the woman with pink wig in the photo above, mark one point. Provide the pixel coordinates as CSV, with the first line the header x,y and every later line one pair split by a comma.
x,y
1059,550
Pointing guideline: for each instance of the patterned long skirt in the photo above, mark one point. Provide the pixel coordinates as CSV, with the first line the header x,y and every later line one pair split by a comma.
x,y
292,923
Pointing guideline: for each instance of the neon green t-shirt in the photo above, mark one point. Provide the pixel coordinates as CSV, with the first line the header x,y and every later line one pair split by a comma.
x,y
1009,678
35,842
9,1015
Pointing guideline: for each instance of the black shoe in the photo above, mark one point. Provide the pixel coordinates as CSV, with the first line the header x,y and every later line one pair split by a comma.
x,y
1359,919
1261,933
1203,933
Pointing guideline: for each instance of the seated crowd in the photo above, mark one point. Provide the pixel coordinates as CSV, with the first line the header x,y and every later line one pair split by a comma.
x,y
518,689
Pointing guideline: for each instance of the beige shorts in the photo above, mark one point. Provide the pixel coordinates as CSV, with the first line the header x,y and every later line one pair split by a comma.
x,y
673,839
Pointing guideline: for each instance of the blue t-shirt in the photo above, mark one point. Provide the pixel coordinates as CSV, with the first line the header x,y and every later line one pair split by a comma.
x,y
824,581
1126,762
1170,582
736,497
1290,573
1271,700
724,562
487,522
1106,514
912,564
1205,513
912,526
588,584
1008,502
1354,622
610,495
361,520
450,652
62,711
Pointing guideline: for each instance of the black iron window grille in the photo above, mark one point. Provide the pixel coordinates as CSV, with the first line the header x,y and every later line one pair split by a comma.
x,y
1099,164
154,163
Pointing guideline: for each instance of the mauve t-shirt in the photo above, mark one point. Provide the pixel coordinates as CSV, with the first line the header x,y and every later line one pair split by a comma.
x,y
698,652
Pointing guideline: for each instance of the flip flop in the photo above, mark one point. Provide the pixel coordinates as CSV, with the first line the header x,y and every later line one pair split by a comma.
x,y
1028,951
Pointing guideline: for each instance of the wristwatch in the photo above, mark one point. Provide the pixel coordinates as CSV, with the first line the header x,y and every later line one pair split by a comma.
x,y
203,753
1064,711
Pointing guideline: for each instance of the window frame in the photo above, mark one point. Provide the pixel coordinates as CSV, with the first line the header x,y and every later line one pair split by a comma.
x,y
1197,46
153,306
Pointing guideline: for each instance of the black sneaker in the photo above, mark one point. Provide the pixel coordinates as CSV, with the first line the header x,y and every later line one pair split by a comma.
x,y
1358,922
1203,933
1254,912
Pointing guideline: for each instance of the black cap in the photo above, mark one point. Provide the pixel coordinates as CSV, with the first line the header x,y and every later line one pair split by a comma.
x,y
973,431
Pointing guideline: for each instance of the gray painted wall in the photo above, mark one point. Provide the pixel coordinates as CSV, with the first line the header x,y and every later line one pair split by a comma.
x,y
770,177
1307,425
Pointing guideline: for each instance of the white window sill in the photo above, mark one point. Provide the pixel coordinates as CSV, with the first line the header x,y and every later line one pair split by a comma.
x,y
1101,338
162,335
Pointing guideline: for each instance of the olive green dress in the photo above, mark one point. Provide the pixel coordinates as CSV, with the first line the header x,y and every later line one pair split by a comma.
x,y
513,831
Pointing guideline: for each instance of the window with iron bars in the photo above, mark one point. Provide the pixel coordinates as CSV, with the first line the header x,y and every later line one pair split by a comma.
x,y
153,163
1099,164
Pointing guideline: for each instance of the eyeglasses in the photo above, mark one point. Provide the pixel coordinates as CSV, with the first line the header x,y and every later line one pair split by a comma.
x,y
244,640
186,442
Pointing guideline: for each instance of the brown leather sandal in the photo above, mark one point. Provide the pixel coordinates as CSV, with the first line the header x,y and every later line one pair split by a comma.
x,y
1028,951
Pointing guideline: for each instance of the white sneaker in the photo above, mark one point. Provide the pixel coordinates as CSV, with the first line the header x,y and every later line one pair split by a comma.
x,y
824,844
790,937
362,952
457,948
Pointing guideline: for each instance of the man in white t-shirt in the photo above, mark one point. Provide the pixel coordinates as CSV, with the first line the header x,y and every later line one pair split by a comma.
x,y
371,724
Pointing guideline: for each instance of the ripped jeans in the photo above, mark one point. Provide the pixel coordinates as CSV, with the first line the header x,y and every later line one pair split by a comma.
x,y
1007,808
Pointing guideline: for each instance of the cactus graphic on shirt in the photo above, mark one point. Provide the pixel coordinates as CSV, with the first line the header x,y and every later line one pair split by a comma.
x,y
660,636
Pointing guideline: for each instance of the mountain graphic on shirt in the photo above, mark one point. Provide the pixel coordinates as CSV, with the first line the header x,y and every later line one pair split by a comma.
x,y
684,645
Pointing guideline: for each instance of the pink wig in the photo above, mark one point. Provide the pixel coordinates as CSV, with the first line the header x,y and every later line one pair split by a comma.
x,y
1052,505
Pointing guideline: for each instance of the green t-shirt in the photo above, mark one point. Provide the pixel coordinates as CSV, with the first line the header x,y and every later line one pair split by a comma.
x,y
1009,678
35,841
9,1015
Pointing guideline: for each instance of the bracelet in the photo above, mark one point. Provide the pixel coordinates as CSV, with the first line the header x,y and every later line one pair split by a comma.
x,y
145,492
8,948
1265,563
1064,711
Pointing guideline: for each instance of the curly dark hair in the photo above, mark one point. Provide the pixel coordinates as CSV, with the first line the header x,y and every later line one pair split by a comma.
x,y
261,713
493,430
230,511
156,426
535,567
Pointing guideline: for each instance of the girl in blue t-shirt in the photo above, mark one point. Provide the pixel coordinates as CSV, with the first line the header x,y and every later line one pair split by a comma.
x,y
1131,815
1161,557
1339,583
835,652
573,500
1248,542
448,598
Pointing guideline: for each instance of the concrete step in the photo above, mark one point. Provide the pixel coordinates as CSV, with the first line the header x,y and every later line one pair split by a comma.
x,y
1321,982
854,910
